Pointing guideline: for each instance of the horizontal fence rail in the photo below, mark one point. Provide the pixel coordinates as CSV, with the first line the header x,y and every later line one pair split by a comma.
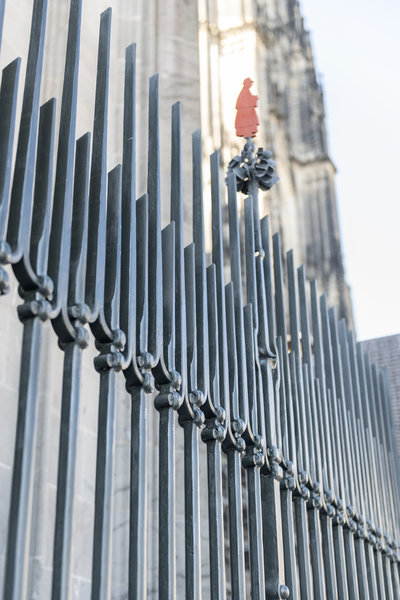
x,y
292,419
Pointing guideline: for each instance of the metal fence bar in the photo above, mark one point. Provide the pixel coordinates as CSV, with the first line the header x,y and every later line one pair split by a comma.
x,y
315,504
344,520
138,388
369,462
287,485
101,576
221,427
200,404
300,500
314,394
348,524
213,435
303,453
274,409
269,410
284,436
320,372
167,502
190,415
254,457
71,379
35,309
68,250
361,535
138,495
107,363
21,491
287,425
166,402
234,455
252,462
133,320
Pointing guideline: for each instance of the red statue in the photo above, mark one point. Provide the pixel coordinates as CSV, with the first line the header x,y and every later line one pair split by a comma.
x,y
246,121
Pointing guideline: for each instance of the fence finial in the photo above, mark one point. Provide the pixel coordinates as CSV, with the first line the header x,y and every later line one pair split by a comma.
x,y
252,169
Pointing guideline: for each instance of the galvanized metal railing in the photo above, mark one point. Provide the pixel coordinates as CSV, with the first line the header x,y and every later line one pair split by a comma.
x,y
277,390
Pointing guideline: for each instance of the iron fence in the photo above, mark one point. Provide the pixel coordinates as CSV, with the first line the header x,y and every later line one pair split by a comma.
x,y
256,371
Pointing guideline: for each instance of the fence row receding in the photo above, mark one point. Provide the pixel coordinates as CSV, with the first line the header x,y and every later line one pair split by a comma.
x,y
277,393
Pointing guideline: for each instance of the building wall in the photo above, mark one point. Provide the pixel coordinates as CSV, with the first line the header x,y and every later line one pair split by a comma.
x,y
267,42
218,47
385,353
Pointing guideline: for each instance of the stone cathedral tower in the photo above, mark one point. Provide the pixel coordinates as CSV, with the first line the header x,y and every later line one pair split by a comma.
x,y
266,41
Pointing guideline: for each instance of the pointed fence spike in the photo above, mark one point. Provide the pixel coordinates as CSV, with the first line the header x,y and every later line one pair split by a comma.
x,y
251,380
107,363
315,452
62,554
332,402
8,109
277,427
31,270
237,565
320,374
153,190
41,210
279,295
267,264
282,333
218,260
348,475
128,300
213,435
295,345
190,295
213,352
112,278
177,217
19,529
236,276
21,195
168,253
79,226
200,265
295,417
232,358
98,175
142,316
351,408
60,237
139,427
251,284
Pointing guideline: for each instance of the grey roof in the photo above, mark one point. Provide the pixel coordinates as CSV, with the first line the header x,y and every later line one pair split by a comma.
x,y
385,353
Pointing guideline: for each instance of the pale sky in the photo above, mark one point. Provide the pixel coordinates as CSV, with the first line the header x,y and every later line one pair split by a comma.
x,y
357,50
